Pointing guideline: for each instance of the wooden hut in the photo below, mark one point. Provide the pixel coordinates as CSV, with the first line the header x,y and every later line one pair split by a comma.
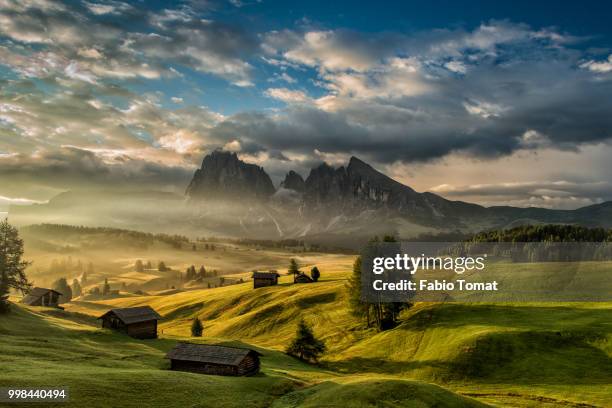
x,y
42,297
215,360
302,278
137,322
261,279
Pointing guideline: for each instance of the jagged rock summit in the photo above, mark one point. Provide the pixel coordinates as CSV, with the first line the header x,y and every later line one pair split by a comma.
x,y
223,175
293,181
352,200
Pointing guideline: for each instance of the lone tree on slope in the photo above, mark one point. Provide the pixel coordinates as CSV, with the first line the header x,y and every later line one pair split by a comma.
x,y
61,285
315,274
5,305
294,268
306,346
76,288
196,328
106,288
12,267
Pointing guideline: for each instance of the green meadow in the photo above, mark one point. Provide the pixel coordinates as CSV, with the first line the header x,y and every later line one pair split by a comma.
x,y
515,355
440,355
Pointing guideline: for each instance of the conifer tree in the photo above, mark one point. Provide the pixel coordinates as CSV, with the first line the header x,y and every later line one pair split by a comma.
x,y
5,305
294,268
306,346
76,288
315,274
196,328
61,285
12,267
106,289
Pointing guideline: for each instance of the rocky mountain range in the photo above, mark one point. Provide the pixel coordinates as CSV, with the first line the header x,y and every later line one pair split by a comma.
x,y
223,176
355,201
336,206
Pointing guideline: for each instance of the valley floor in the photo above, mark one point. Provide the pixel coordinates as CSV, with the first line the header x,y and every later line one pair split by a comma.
x,y
445,355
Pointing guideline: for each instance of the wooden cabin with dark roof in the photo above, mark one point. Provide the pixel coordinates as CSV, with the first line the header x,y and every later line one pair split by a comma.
x,y
214,360
138,322
262,279
42,297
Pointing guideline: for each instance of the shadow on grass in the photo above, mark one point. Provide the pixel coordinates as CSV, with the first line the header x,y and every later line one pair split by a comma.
x,y
76,317
535,357
455,315
381,366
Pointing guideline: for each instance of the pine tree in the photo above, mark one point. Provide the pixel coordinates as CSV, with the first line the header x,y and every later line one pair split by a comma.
x,y
76,288
202,271
294,268
11,264
196,328
106,289
138,266
5,305
161,267
315,274
306,346
61,285
357,307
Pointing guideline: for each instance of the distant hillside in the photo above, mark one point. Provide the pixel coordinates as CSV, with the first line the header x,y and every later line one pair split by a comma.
x,y
546,233
101,236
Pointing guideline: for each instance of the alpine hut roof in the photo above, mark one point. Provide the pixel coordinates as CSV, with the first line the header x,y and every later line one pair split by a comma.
x,y
37,293
131,315
265,275
205,353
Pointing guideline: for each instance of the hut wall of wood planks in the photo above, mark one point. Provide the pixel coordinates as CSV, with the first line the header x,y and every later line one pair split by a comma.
x,y
262,279
215,360
42,297
137,322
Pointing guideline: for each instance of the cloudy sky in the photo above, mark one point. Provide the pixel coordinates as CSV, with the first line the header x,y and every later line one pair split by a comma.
x,y
476,101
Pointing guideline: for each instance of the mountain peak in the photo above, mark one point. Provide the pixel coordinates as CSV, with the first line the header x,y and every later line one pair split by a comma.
x,y
293,181
357,164
224,175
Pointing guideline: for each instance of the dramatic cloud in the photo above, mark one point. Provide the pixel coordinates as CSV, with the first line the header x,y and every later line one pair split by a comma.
x,y
287,95
109,92
599,66
489,92
73,168
81,43
552,194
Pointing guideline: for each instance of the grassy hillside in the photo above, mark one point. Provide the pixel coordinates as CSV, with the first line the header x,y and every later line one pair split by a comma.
x,y
508,354
44,347
65,251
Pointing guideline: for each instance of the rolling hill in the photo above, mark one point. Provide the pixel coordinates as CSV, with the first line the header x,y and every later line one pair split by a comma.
x,y
541,354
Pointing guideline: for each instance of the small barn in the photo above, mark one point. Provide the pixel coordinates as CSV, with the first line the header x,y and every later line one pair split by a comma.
x,y
42,297
302,278
138,322
261,279
214,360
